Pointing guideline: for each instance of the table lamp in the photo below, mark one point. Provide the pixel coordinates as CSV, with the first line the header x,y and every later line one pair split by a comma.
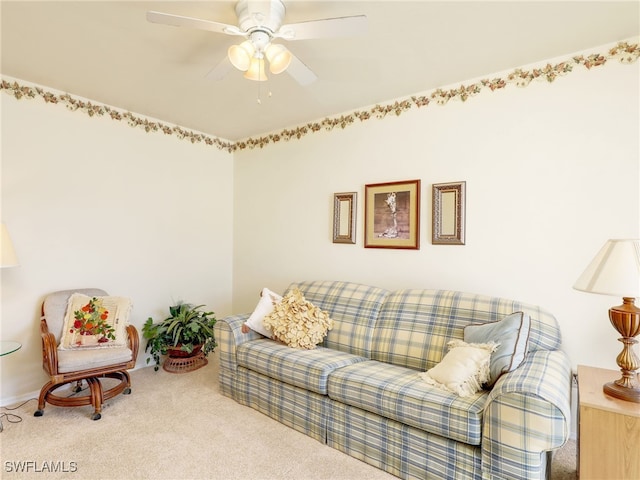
x,y
615,270
8,256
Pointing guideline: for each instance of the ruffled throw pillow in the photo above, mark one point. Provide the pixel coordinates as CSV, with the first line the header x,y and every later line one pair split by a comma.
x,y
297,322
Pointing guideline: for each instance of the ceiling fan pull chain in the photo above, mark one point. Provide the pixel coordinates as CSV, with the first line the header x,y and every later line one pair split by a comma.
x,y
259,99
259,91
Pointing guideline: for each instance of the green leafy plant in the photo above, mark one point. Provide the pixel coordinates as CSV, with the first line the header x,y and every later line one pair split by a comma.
x,y
187,328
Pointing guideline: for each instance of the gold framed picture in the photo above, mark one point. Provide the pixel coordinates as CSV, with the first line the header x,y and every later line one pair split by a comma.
x,y
344,217
449,213
392,215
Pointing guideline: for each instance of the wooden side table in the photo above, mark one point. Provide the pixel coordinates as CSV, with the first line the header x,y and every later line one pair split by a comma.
x,y
6,348
608,429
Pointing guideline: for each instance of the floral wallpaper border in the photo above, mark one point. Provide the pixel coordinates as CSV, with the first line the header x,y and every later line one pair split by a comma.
x,y
623,52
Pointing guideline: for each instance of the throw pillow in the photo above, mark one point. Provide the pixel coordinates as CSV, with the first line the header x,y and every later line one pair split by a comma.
x,y
297,322
95,322
265,306
463,369
512,333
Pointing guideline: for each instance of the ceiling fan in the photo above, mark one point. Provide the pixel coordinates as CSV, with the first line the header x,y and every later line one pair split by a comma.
x,y
260,23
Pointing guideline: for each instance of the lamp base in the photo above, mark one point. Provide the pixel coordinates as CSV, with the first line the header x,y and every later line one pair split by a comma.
x,y
623,393
626,320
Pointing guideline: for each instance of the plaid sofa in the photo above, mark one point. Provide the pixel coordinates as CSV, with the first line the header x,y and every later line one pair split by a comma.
x,y
360,392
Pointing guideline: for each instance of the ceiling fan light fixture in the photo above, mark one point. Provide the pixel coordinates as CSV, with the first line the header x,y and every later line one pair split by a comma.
x,y
260,22
256,70
279,58
241,55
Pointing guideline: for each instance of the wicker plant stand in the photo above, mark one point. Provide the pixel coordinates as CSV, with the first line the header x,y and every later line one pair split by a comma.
x,y
184,364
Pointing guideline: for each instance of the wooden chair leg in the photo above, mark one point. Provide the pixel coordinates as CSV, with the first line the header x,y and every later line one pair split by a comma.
x,y
41,400
127,379
96,397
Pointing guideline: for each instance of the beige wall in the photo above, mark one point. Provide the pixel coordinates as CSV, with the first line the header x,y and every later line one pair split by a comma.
x,y
552,172
90,202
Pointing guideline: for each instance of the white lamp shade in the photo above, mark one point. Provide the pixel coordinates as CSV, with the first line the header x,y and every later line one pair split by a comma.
x,y
241,55
279,58
8,256
256,70
615,270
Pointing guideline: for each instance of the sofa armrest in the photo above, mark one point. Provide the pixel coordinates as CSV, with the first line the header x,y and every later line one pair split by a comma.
x,y
228,333
527,413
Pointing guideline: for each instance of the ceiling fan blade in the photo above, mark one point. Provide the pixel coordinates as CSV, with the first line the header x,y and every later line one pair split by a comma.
x,y
300,72
180,21
328,27
220,71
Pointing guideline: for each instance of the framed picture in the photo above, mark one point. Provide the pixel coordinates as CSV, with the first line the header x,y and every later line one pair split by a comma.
x,y
448,213
344,217
392,215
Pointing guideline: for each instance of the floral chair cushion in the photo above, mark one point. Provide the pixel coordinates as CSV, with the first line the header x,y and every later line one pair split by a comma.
x,y
95,322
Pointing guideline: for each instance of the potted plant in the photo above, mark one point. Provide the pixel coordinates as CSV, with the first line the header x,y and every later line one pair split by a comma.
x,y
185,333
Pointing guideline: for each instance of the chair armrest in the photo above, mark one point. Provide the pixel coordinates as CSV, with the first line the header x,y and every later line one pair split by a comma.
x,y
49,349
228,333
528,412
134,341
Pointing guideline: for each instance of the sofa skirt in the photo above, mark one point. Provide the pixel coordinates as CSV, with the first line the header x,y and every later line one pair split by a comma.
x,y
300,409
403,451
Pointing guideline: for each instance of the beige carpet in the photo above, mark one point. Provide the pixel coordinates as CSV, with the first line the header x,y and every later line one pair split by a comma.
x,y
177,427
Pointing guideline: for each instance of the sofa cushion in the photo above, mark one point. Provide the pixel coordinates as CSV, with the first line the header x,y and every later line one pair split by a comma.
x,y
414,326
400,394
354,309
308,369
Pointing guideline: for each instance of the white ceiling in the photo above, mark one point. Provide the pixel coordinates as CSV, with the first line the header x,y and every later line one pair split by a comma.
x,y
107,51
